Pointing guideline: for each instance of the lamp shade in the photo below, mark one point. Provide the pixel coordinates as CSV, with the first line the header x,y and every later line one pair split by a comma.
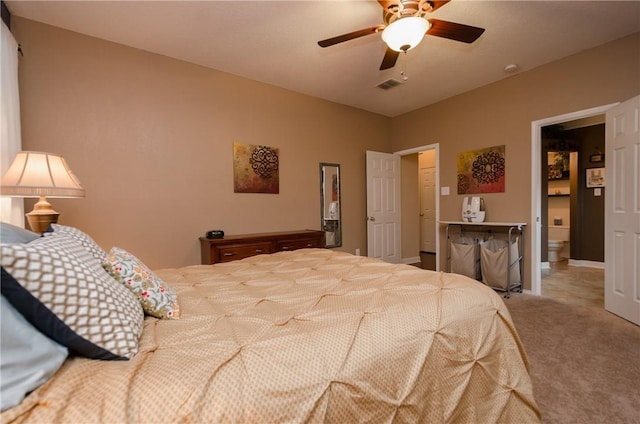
x,y
37,174
405,33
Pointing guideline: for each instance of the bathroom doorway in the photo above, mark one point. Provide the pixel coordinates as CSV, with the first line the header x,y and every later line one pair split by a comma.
x,y
571,215
536,177
574,220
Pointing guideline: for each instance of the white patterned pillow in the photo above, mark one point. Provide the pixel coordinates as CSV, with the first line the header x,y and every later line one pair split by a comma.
x,y
64,292
156,297
85,240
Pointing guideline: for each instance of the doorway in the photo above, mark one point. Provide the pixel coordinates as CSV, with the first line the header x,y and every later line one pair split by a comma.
x,y
572,247
421,205
427,199
572,208
536,186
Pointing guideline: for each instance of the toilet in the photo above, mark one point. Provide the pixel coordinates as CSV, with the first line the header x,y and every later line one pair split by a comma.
x,y
557,237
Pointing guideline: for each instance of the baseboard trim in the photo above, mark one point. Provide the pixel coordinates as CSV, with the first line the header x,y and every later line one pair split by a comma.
x,y
411,261
586,264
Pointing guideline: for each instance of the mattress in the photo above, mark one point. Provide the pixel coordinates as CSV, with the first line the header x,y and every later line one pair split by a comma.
x,y
311,335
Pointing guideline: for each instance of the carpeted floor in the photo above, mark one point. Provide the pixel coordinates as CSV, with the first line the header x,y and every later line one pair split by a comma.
x,y
585,361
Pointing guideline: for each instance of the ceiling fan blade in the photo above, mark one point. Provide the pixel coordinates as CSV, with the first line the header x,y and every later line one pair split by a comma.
x,y
350,36
454,31
435,4
389,60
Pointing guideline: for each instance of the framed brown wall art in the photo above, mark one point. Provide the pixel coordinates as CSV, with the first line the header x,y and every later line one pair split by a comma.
x,y
481,171
255,169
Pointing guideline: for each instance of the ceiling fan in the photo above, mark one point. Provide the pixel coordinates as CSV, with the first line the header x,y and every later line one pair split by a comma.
x,y
405,25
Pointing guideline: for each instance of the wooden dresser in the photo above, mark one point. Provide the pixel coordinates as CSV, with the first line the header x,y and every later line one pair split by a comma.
x,y
232,248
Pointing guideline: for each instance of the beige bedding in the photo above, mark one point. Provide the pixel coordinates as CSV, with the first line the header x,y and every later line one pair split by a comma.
x,y
312,335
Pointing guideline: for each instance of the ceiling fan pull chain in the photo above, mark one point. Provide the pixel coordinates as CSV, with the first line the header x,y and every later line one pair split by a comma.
x,y
403,71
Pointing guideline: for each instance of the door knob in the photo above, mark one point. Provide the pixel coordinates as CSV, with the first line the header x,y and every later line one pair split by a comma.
x,y
371,218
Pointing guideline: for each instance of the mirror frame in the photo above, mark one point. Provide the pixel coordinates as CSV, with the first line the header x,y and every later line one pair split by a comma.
x,y
332,227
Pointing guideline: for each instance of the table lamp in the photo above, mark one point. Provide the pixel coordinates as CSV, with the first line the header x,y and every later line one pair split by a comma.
x,y
42,175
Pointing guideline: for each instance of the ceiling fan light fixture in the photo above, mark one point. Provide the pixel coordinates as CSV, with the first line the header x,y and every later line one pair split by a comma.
x,y
405,33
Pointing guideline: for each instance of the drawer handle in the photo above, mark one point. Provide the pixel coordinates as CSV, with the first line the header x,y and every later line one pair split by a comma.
x,y
259,250
310,245
228,254
285,247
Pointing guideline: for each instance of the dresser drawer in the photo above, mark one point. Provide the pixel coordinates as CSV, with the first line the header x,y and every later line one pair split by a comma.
x,y
233,252
298,244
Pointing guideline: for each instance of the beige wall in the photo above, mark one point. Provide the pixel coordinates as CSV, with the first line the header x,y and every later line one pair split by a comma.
x,y
151,140
501,114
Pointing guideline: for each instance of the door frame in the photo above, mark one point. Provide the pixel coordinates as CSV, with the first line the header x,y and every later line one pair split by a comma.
x,y
536,178
436,147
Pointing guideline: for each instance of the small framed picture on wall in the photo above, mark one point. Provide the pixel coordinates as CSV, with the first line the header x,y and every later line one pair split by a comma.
x,y
595,177
596,157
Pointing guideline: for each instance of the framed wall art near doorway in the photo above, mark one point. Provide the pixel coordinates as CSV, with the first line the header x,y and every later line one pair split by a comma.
x,y
595,177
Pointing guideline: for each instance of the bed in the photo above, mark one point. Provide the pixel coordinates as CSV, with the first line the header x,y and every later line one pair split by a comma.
x,y
312,335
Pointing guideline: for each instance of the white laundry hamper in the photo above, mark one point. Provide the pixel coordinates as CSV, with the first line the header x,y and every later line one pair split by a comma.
x,y
499,266
465,257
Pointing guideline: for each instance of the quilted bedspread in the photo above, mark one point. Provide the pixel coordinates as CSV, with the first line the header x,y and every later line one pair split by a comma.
x,y
311,335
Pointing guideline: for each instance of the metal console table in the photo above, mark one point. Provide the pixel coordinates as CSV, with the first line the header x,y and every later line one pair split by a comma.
x,y
513,230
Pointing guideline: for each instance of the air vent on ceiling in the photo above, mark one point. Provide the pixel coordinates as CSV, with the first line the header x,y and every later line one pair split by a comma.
x,y
389,84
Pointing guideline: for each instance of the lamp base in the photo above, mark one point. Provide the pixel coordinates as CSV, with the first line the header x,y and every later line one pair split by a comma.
x,y
42,216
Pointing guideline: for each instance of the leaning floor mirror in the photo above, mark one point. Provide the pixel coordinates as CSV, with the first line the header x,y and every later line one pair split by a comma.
x,y
330,204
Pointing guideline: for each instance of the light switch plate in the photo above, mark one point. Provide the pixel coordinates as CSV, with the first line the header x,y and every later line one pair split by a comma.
x,y
597,192
444,191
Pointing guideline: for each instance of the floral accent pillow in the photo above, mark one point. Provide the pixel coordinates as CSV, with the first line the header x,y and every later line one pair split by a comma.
x,y
156,297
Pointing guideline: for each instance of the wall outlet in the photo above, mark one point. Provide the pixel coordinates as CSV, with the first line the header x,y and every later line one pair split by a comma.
x,y
357,252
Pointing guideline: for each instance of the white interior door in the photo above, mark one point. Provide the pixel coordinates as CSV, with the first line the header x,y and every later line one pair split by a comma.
x,y
383,206
428,210
622,211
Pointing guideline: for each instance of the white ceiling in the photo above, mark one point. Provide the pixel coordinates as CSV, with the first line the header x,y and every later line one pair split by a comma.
x,y
276,41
